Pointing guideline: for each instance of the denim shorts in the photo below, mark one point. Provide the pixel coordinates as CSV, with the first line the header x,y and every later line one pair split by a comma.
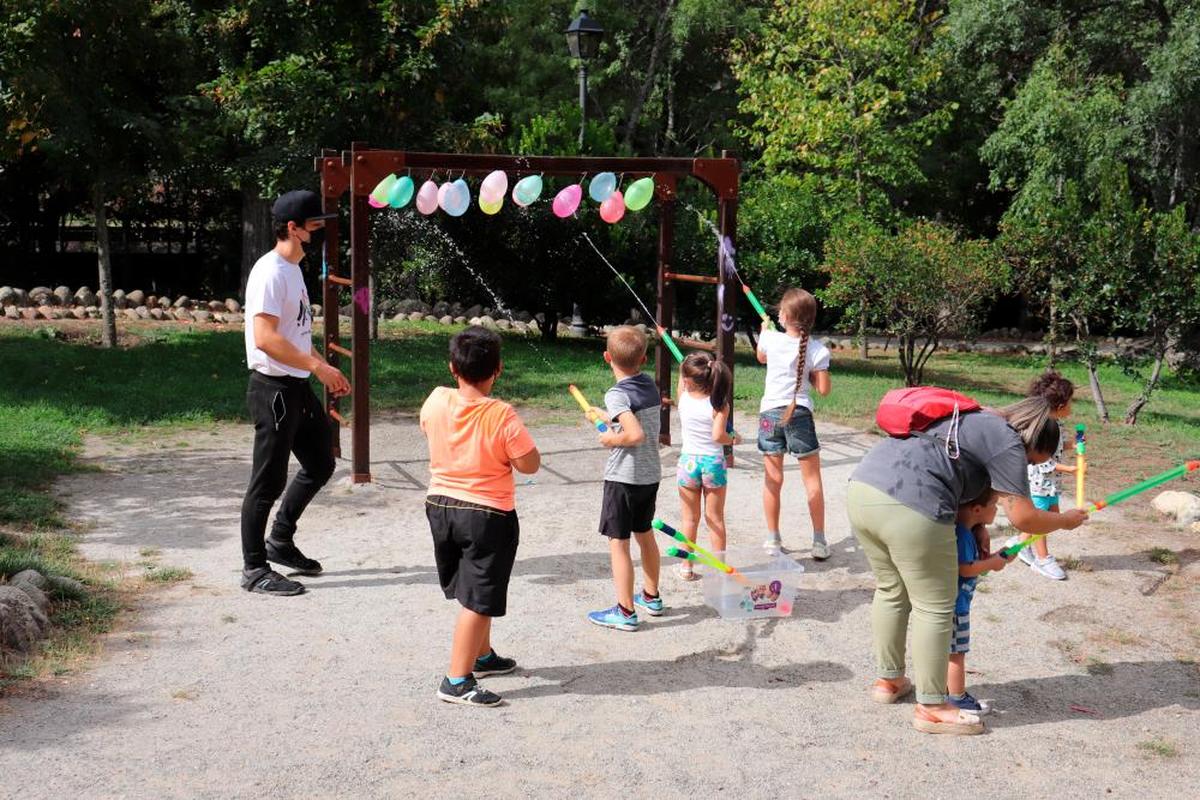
x,y
798,437
694,472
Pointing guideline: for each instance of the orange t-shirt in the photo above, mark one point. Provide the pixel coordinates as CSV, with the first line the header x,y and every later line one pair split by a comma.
x,y
471,447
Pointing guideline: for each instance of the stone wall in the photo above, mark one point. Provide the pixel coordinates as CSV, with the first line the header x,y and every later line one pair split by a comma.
x,y
44,303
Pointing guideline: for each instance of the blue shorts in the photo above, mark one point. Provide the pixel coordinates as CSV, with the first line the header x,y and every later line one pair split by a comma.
x,y
1044,503
695,472
798,437
960,640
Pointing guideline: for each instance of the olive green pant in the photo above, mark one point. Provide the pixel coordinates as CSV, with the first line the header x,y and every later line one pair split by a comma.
x,y
915,561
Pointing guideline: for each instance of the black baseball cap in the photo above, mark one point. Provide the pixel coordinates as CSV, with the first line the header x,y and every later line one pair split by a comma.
x,y
298,206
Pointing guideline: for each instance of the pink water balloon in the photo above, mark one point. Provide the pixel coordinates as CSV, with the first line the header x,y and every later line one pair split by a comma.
x,y
613,207
373,203
427,198
566,201
446,194
493,187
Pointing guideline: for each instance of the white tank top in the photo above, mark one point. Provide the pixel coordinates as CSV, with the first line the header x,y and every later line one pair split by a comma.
x,y
696,421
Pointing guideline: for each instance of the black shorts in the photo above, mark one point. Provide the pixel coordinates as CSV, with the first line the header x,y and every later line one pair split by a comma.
x,y
627,508
475,547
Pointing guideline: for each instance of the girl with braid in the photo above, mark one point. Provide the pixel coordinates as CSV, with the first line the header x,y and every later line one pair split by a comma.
x,y
785,422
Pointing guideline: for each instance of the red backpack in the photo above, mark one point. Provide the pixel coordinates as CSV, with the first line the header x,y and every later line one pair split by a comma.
x,y
903,412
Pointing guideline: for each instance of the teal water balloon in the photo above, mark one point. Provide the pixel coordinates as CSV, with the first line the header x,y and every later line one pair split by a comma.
x,y
527,190
602,186
401,193
639,194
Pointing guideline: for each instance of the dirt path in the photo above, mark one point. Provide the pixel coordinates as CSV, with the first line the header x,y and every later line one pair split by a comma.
x,y
211,692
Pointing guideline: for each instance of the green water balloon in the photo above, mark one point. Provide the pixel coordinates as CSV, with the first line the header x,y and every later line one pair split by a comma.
x,y
639,194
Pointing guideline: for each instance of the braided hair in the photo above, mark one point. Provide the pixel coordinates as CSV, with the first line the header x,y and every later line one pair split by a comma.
x,y
710,376
798,309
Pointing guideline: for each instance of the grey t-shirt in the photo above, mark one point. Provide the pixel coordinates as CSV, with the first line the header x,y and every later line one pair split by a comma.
x,y
918,473
638,465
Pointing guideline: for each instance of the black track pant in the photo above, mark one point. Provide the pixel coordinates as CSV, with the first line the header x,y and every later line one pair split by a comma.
x,y
288,419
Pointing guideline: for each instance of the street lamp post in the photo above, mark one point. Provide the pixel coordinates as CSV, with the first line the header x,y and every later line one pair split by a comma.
x,y
583,41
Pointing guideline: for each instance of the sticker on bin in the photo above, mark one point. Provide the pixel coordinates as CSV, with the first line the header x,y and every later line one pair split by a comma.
x,y
766,597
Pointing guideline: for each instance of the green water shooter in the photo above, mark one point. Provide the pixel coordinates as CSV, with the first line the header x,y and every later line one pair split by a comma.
x,y
762,312
1118,497
1149,483
670,343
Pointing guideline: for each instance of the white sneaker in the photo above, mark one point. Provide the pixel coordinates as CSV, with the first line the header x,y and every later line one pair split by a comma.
x,y
774,542
820,551
1026,555
1049,568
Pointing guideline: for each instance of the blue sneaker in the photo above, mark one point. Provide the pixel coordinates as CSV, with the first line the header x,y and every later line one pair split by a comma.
x,y
968,703
614,618
653,607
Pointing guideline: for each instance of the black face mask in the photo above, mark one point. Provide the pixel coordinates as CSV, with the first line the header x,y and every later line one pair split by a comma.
x,y
314,248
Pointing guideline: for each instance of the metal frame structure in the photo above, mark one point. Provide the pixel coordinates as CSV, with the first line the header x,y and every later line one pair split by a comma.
x,y
360,169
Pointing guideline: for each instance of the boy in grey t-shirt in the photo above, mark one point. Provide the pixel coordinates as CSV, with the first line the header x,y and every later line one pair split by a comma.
x,y
631,479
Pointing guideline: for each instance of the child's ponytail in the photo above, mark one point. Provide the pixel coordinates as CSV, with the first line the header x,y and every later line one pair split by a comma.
x,y
720,395
798,310
710,376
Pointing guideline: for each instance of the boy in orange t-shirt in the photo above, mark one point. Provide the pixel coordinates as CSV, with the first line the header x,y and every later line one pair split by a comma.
x,y
475,442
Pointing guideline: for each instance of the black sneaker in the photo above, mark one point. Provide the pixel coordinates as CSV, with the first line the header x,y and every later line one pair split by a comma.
x,y
288,555
493,664
265,580
467,693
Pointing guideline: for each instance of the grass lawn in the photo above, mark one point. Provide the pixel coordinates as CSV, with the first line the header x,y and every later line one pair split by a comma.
x,y
61,386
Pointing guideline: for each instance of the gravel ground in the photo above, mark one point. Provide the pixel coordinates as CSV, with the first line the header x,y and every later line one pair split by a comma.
x,y
211,692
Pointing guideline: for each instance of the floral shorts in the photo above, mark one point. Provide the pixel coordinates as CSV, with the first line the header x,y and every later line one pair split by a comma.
x,y
695,472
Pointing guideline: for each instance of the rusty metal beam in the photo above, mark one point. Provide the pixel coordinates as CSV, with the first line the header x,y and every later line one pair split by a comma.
x,y
360,375
682,278
665,186
331,193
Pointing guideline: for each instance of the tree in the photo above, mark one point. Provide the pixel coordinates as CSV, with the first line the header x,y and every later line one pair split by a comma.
x,y
1063,140
918,285
1164,294
842,90
96,85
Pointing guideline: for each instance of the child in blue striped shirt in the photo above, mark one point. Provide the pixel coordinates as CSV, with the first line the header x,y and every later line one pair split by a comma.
x,y
973,560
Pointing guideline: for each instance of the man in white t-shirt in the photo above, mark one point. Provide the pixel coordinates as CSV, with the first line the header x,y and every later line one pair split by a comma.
x,y
288,417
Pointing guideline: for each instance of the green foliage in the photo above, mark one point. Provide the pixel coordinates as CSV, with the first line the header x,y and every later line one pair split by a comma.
x,y
918,285
843,89
782,227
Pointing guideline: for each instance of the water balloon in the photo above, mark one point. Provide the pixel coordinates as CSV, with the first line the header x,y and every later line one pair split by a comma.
x,y
527,190
639,194
613,208
566,201
427,198
401,193
602,186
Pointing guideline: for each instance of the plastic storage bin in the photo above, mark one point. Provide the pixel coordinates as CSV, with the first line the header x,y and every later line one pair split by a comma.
x,y
773,579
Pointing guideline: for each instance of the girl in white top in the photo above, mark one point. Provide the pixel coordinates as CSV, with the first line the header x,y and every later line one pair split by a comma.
x,y
795,364
704,408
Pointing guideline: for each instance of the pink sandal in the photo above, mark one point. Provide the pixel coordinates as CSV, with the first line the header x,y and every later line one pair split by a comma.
x,y
964,723
889,690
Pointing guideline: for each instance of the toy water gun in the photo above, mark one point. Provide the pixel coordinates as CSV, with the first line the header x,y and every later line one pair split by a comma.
x,y
702,556
1117,497
762,312
1080,463
670,343
587,409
